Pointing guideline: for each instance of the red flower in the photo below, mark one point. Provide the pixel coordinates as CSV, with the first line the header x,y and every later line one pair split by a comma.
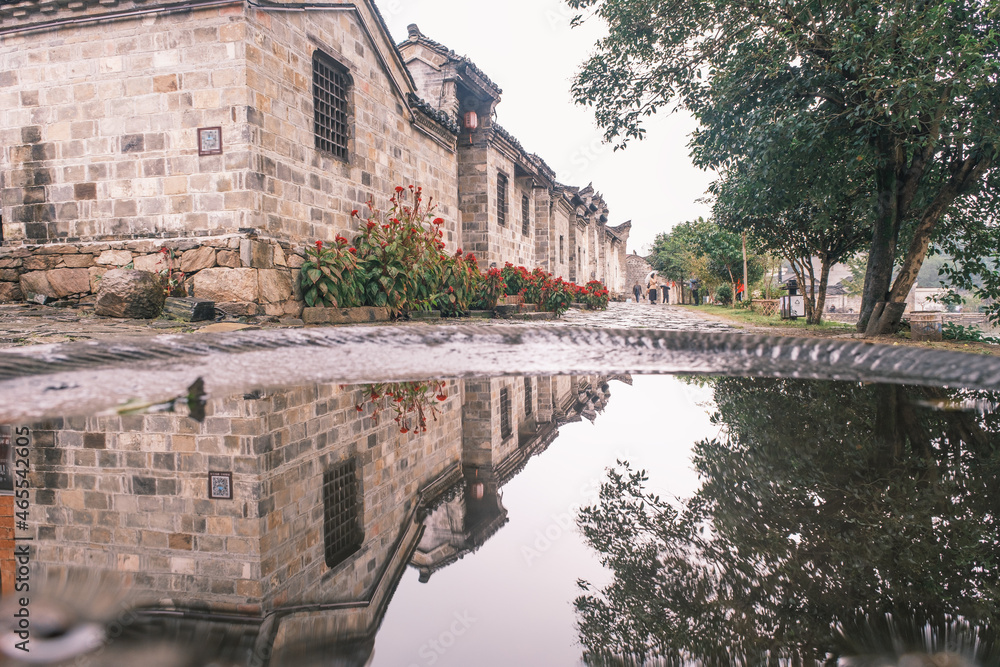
x,y
353,251
372,224
399,188
438,221
404,429
441,397
358,407
319,245
354,212
340,239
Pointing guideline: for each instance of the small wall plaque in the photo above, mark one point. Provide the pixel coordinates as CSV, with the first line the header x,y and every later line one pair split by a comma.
x,y
209,140
220,485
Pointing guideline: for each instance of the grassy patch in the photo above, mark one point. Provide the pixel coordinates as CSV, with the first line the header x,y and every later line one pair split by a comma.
x,y
746,316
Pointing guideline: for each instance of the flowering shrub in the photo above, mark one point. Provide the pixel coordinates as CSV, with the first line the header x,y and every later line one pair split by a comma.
x,y
515,278
594,295
550,293
326,275
489,289
411,402
397,260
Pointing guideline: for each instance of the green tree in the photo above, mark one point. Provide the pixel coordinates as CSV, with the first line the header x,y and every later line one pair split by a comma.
x,y
909,87
868,503
800,208
703,250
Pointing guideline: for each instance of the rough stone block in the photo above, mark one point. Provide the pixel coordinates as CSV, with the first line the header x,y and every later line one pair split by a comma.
x,y
316,315
36,282
198,259
238,308
228,258
96,273
10,292
227,285
114,258
257,254
76,261
128,293
65,282
275,285
279,256
153,263
189,310
362,315
40,262
10,275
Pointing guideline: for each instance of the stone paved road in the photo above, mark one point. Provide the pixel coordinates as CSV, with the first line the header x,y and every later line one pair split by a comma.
x,y
642,316
32,325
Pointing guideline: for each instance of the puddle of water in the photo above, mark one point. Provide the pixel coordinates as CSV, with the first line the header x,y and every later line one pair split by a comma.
x,y
780,520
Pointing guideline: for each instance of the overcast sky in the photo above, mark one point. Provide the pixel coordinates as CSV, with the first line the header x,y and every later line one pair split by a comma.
x,y
529,50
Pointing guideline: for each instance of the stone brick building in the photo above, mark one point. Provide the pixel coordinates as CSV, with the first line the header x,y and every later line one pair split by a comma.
x,y
327,506
183,123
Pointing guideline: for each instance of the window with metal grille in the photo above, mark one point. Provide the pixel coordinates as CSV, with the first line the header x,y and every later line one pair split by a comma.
x,y
501,200
330,110
504,413
562,250
342,533
527,396
525,219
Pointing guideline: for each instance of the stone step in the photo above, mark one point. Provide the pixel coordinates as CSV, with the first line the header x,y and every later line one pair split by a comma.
x,y
540,315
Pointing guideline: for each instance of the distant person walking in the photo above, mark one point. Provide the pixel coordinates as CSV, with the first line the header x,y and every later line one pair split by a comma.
x,y
653,286
637,291
666,294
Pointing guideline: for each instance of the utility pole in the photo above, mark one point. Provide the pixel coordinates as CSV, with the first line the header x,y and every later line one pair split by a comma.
x,y
746,287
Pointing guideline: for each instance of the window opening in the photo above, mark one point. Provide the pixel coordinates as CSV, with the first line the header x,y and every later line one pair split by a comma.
x,y
330,87
342,531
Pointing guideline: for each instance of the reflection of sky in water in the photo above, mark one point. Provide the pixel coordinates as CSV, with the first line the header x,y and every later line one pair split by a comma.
x,y
520,585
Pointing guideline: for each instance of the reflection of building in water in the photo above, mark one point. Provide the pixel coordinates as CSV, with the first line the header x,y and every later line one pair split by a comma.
x,y
472,511
327,505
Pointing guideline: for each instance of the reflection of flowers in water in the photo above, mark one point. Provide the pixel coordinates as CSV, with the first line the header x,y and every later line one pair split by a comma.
x,y
411,402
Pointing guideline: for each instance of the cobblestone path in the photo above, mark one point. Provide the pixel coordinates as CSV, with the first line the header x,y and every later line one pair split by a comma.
x,y
22,324
642,316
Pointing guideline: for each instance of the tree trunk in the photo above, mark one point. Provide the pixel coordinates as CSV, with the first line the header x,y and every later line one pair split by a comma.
x,y
968,174
878,275
824,278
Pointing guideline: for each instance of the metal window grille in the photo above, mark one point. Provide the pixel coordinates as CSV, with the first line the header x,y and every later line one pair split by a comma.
x,y
501,200
527,396
525,219
562,249
342,532
330,86
504,413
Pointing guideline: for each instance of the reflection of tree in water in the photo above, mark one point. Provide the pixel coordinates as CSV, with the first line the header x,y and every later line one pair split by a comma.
x,y
826,509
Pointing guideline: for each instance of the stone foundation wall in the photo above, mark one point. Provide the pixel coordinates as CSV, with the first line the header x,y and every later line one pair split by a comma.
x,y
243,274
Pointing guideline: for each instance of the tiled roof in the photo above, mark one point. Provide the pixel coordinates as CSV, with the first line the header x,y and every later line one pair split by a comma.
x,y
450,53
440,117
509,137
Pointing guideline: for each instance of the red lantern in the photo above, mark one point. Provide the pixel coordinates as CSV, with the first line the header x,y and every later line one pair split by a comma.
x,y
471,120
